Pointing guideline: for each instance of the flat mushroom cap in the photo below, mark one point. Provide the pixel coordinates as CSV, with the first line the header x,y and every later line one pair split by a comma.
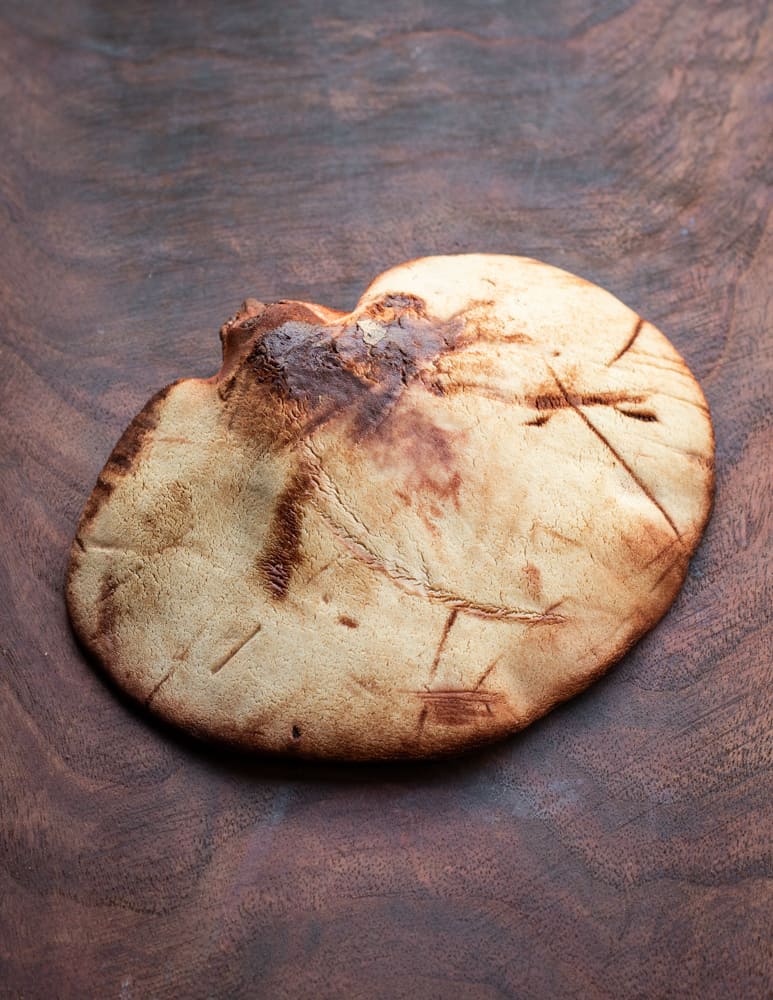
x,y
402,531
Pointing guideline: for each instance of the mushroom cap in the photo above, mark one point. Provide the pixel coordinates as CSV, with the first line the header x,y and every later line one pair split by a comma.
x,y
401,531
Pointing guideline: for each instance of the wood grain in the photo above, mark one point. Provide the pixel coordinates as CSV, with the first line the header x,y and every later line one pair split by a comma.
x,y
162,162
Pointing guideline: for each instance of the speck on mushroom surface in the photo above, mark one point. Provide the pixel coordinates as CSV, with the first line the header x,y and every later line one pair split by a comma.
x,y
416,526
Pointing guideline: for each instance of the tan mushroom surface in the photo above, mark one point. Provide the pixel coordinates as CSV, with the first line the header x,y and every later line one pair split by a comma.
x,y
401,531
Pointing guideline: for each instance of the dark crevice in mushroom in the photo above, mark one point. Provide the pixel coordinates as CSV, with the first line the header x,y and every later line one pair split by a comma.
x,y
646,415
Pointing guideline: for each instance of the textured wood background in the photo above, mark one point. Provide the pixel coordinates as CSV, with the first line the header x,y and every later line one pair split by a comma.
x,y
162,161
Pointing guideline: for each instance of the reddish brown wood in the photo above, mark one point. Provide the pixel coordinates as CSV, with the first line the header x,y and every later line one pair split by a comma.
x,y
160,162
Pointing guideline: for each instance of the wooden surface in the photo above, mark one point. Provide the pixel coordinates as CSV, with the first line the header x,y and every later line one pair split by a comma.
x,y
159,163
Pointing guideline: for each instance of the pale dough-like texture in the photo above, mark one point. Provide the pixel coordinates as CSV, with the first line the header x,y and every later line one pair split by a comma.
x,y
401,531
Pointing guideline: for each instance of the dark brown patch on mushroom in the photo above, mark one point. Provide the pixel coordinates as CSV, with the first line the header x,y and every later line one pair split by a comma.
x,y
396,306
317,371
533,580
423,458
471,379
283,552
101,492
369,684
123,457
646,415
546,403
482,325
429,523
258,318
297,372
444,485
348,622
559,401
242,333
106,612
458,707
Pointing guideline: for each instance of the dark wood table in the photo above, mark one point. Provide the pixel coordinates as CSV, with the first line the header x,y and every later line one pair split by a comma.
x,y
159,163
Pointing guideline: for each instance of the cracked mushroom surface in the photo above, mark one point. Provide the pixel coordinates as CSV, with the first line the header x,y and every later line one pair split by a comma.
x,y
400,531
